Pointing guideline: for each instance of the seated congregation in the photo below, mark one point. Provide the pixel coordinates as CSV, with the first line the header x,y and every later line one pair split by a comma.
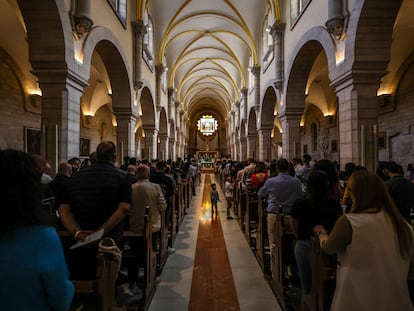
x,y
324,239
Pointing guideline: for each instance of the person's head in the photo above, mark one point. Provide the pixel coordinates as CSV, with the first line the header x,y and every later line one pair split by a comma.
x,y
306,159
260,167
40,162
393,169
369,193
161,166
75,163
329,169
65,169
92,158
228,177
282,165
132,169
317,184
20,191
106,151
133,161
143,171
126,160
213,186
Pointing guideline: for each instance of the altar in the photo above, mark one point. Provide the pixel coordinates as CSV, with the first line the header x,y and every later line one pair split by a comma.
x,y
207,159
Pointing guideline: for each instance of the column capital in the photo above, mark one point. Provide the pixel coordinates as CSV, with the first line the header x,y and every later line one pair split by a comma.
x,y
277,29
139,28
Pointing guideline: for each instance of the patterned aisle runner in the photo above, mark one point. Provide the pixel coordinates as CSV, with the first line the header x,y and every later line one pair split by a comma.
x,y
213,286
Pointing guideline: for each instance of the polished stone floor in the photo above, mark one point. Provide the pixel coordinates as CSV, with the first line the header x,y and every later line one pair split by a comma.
x,y
213,268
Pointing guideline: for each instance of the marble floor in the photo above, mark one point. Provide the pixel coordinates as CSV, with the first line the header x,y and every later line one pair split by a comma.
x,y
201,274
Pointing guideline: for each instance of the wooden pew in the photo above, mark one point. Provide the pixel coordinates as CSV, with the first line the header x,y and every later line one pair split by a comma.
x,y
141,255
251,218
99,292
261,237
323,269
174,218
281,251
242,207
163,243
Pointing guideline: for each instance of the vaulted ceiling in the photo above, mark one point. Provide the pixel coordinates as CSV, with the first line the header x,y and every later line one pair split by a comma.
x,y
207,46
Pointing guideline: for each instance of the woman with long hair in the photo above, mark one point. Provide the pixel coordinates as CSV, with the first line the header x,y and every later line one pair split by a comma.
x,y
375,247
33,271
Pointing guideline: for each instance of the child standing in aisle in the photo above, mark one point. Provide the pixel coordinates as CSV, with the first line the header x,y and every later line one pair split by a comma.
x,y
214,197
228,191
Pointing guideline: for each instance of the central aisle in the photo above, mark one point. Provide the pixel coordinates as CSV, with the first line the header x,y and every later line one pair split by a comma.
x,y
201,275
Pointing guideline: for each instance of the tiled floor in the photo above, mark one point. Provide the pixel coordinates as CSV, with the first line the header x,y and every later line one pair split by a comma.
x,y
174,291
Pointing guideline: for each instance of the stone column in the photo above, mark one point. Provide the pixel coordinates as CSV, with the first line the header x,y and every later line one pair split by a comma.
x,y
164,144
265,143
125,134
243,148
237,155
159,71
277,31
256,82
291,135
60,120
243,103
357,116
171,102
251,145
172,149
139,32
151,143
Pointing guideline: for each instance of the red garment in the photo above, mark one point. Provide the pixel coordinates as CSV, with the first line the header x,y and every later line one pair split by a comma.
x,y
259,179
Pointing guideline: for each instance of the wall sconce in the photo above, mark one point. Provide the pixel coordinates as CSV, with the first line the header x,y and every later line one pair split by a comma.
x,y
384,100
330,119
35,100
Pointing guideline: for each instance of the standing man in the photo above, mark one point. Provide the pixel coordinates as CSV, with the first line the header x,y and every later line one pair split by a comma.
x,y
281,191
98,197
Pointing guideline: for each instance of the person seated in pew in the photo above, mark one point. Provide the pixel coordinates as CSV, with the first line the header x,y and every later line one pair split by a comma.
x,y
375,248
34,275
316,208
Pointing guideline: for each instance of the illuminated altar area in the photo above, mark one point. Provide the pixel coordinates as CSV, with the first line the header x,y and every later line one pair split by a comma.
x,y
207,141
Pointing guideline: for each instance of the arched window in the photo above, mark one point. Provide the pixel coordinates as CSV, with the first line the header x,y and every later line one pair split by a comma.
x,y
314,133
148,41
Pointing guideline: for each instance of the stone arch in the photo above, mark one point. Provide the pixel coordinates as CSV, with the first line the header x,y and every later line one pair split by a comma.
x,y
148,110
311,44
363,37
58,52
105,43
163,124
267,108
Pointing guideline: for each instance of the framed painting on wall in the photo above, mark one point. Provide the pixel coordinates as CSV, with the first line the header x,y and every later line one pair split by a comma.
x,y
32,138
84,147
382,140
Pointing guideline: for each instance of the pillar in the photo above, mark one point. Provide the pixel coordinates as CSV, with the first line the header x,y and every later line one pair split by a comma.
x,y
265,143
291,135
125,134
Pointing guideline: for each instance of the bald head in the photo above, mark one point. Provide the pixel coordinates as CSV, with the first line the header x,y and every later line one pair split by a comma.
x,y
106,151
143,172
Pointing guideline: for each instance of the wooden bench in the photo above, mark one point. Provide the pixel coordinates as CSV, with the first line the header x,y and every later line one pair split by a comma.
x,y
141,255
98,292
251,218
262,242
323,269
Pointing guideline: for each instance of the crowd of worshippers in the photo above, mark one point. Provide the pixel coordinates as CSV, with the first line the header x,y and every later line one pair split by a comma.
x,y
85,196
363,218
